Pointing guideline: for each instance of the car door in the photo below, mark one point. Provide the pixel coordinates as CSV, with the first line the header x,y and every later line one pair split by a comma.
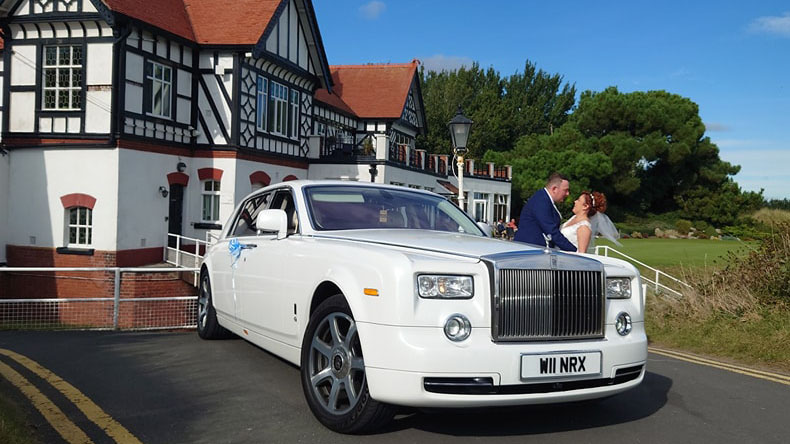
x,y
261,305
225,273
290,253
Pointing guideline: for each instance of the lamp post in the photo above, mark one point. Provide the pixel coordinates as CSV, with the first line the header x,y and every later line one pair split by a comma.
x,y
460,127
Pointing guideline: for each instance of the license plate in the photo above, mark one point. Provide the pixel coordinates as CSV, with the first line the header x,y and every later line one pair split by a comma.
x,y
553,365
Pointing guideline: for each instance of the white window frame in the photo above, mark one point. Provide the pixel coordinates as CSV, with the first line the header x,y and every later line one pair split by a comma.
x,y
163,83
480,202
293,121
73,73
79,226
262,103
278,109
209,200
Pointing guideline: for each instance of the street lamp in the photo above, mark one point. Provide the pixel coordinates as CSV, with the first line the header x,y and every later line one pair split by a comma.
x,y
460,126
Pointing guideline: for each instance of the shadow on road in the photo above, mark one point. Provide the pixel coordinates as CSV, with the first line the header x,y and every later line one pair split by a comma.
x,y
640,402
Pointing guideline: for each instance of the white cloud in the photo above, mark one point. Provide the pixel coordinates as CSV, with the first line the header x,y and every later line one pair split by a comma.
x,y
772,25
372,10
441,62
713,126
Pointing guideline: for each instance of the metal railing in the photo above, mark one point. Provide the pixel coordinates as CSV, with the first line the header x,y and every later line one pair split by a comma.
x,y
655,284
181,257
98,313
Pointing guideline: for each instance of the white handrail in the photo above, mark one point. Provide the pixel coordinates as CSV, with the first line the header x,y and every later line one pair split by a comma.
x,y
178,252
658,273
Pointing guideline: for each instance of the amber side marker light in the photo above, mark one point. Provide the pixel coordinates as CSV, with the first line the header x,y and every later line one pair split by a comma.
x,y
371,292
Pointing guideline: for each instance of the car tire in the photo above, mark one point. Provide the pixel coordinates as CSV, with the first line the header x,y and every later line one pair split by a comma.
x,y
333,372
207,325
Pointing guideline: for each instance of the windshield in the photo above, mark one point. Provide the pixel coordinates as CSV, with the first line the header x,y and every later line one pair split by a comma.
x,y
338,207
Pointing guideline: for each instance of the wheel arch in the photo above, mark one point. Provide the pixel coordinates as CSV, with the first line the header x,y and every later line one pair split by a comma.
x,y
324,291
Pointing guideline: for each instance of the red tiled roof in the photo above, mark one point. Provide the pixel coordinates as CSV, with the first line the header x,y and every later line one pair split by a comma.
x,y
240,22
169,15
331,99
371,91
448,186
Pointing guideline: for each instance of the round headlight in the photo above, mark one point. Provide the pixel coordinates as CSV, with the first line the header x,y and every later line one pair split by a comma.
x,y
457,328
623,324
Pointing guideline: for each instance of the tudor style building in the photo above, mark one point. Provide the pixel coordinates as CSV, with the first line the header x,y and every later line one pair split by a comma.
x,y
125,120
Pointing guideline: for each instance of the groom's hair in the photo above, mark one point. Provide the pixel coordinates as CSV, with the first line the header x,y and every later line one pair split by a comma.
x,y
555,179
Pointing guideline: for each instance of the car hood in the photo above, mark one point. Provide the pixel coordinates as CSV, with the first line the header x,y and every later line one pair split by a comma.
x,y
433,241
466,245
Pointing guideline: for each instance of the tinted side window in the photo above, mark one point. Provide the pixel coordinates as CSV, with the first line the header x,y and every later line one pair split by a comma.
x,y
284,201
245,224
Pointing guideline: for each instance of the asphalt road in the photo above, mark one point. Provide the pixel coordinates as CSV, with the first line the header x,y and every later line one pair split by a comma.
x,y
171,387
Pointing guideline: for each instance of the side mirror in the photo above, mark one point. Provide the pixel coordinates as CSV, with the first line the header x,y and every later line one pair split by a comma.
x,y
273,221
486,229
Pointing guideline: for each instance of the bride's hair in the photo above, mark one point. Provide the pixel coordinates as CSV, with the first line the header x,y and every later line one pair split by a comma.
x,y
596,201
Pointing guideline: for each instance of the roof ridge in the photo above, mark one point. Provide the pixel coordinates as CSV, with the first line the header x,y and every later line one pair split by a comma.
x,y
411,64
189,19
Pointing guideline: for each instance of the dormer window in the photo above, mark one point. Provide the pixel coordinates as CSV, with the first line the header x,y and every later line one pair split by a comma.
x,y
159,79
62,78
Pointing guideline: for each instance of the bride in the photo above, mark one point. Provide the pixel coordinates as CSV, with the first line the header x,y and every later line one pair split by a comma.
x,y
588,221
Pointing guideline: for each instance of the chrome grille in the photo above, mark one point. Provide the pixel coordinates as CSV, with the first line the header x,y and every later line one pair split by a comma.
x,y
548,304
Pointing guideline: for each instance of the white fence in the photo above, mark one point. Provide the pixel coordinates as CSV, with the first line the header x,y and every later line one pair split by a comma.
x,y
120,311
655,273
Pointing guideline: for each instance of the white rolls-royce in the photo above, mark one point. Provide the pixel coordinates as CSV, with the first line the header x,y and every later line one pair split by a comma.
x,y
388,296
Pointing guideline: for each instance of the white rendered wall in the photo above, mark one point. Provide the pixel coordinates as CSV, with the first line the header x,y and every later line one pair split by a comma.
x,y
276,173
410,177
98,96
4,171
343,172
193,202
37,180
474,185
142,211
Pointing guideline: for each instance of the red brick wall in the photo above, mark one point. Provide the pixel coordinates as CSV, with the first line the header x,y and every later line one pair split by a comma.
x,y
98,284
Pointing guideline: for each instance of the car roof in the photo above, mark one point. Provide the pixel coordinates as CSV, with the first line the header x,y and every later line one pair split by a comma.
x,y
299,184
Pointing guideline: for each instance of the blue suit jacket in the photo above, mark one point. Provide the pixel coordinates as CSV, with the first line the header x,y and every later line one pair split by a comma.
x,y
538,217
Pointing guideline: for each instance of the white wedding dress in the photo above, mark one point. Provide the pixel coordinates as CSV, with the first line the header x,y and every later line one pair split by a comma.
x,y
570,231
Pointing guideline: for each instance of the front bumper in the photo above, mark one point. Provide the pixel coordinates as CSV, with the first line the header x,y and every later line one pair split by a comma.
x,y
419,366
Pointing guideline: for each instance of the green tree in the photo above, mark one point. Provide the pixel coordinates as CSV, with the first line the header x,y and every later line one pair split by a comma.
x,y
646,150
502,109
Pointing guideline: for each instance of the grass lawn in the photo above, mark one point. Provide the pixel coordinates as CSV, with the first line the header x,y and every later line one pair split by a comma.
x,y
678,253
14,427
760,339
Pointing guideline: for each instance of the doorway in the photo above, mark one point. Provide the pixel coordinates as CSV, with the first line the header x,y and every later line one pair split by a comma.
x,y
175,214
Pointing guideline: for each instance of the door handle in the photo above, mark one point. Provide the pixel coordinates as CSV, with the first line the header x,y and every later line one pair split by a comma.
x,y
248,246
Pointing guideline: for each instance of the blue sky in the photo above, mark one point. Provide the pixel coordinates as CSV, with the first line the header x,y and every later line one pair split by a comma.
x,y
730,57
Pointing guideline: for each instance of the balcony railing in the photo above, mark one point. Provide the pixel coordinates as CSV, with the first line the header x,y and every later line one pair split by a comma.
x,y
343,149
481,170
415,160
397,153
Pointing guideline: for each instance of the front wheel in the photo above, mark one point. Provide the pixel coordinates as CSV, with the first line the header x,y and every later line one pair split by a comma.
x,y
207,325
333,372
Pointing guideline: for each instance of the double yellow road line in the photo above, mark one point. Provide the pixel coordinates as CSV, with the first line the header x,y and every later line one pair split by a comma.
x,y
768,376
52,413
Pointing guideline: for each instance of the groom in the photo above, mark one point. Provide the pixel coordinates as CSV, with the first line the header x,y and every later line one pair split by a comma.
x,y
540,217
